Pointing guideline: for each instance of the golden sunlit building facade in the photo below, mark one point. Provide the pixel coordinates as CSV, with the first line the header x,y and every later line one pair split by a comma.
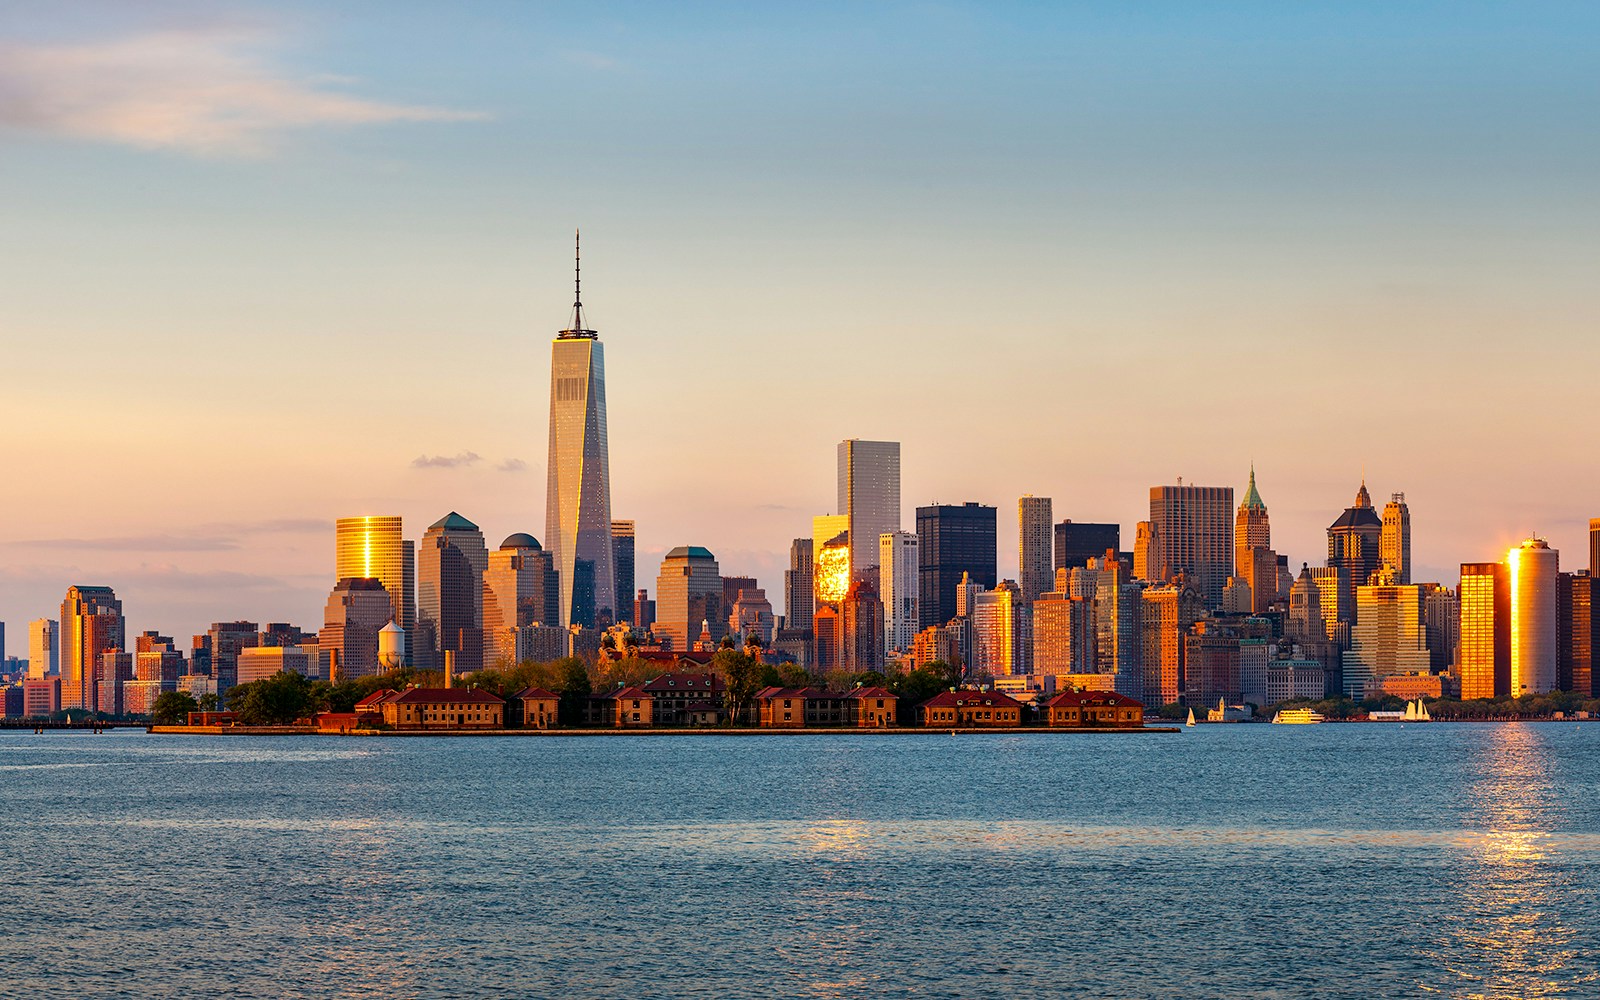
x,y
1192,535
373,548
1535,644
1484,660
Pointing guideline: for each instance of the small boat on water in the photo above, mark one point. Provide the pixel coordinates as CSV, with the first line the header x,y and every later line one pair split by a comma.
x,y
1296,717
1191,718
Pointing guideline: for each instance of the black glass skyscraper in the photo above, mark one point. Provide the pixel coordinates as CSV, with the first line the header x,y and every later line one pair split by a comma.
x,y
953,540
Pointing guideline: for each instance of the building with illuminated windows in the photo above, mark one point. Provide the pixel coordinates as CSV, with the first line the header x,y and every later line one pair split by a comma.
x,y
1036,571
1535,640
899,559
1484,659
577,529
1166,614
1193,535
831,554
42,649
373,547
1390,637
91,626
1002,632
869,500
689,594
798,597
1394,545
519,591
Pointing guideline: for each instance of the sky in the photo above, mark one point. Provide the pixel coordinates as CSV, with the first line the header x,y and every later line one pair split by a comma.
x,y
264,266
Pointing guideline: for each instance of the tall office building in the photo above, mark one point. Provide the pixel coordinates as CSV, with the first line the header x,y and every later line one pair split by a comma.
x,y
1036,570
751,614
861,629
357,609
225,640
732,587
899,563
953,540
1580,628
451,562
1251,527
1193,536
797,586
519,591
373,547
622,543
831,562
1118,601
1079,541
1002,634
689,593
577,525
91,626
1484,659
1254,562
1535,642
1144,539
1594,547
1166,614
869,498
1355,543
1394,544
644,611
42,649
1441,613
1063,634
1389,637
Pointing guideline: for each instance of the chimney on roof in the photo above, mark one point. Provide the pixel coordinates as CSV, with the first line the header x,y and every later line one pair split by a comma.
x,y
449,668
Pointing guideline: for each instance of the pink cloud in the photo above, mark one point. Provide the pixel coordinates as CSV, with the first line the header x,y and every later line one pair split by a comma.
x,y
201,91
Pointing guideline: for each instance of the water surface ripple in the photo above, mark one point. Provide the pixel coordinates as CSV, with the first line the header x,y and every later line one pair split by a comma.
x,y
1449,860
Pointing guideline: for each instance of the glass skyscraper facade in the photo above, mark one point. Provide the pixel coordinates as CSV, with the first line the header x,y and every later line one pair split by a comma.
x,y
372,548
952,540
869,497
578,496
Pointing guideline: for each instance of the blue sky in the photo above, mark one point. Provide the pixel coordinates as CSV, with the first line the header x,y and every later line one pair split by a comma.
x,y
259,260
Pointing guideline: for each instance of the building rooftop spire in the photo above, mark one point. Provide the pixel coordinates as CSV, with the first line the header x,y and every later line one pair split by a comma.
x,y
577,330
1251,497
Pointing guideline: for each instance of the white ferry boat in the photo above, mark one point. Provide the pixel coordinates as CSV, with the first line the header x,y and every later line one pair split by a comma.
x,y
1296,717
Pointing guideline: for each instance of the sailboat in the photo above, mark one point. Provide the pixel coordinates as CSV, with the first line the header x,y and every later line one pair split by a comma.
x,y
1191,718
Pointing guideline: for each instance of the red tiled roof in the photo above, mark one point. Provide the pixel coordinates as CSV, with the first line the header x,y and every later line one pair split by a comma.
x,y
631,691
1095,699
447,696
871,692
663,656
686,682
536,693
376,698
953,699
802,692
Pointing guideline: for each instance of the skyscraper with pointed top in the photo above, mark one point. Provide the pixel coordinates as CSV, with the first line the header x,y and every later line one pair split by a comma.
x,y
578,498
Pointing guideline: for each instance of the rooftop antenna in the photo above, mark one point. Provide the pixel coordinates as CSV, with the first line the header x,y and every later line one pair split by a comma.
x,y
577,330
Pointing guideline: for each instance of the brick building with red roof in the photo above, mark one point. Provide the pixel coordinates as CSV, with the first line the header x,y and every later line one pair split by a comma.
x,y
969,708
1094,708
444,708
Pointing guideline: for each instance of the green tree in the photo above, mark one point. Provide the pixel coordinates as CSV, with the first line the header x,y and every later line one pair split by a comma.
x,y
574,690
172,708
209,702
917,686
278,700
742,674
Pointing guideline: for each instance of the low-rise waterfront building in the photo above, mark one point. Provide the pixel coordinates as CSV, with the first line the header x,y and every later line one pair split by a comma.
x,y
444,708
539,707
1094,708
686,699
965,707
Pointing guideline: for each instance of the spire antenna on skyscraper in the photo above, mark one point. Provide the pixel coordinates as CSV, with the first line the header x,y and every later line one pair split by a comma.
x,y
577,328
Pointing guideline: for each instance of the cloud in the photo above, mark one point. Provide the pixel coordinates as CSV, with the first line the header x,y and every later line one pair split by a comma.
x,y
207,91
513,465
134,543
446,461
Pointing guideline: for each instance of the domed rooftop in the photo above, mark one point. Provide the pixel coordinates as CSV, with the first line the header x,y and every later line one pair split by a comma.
x,y
520,540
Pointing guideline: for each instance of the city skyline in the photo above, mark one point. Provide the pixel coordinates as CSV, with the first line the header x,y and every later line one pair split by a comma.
x,y
267,284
